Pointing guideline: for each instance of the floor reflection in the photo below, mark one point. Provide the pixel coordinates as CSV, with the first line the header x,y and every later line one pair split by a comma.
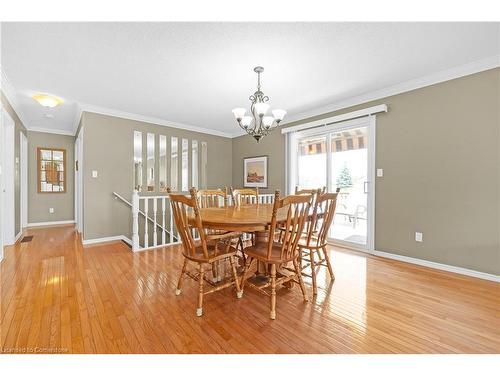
x,y
346,295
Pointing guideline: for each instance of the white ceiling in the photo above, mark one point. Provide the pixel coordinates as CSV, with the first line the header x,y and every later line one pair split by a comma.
x,y
195,73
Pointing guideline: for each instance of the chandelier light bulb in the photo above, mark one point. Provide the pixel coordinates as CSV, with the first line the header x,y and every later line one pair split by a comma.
x,y
261,108
279,114
267,121
246,121
239,113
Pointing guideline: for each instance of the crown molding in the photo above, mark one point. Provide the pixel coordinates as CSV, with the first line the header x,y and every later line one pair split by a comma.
x,y
52,131
431,79
150,120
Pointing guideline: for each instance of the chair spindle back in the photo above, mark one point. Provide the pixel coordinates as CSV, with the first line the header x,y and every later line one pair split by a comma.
x,y
297,210
243,197
182,205
323,214
212,198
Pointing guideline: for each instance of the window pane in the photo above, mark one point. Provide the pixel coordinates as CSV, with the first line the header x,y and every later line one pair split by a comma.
x,y
349,172
163,163
194,163
138,160
185,165
174,160
204,158
312,163
57,155
151,161
46,155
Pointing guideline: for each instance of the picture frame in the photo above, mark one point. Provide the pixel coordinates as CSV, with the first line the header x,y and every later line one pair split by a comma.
x,y
255,171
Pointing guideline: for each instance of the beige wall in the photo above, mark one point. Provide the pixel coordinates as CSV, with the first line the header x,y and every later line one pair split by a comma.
x,y
439,148
39,203
19,127
108,148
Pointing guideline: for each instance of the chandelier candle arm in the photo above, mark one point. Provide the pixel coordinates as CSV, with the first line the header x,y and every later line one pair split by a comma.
x,y
262,124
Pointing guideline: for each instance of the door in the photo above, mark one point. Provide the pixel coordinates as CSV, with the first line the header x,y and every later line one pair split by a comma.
x,y
342,156
24,180
8,198
1,183
349,172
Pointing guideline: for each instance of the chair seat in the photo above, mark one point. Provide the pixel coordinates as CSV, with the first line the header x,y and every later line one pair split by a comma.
x,y
213,255
312,243
259,252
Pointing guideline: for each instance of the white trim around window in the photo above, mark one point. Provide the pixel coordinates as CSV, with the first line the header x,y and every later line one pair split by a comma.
x,y
336,119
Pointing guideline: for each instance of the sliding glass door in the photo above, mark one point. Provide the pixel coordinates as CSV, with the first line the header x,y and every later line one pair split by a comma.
x,y
341,156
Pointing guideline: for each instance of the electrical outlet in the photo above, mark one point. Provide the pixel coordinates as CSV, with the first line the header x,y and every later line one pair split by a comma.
x,y
51,210
94,174
419,237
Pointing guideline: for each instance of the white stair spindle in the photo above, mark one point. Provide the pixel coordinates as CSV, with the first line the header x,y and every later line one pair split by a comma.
x,y
171,227
163,234
146,224
155,231
135,221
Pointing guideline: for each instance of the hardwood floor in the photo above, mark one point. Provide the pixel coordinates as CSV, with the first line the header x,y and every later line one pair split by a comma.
x,y
57,296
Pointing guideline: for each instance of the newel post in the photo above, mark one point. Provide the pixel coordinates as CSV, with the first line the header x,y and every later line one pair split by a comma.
x,y
135,221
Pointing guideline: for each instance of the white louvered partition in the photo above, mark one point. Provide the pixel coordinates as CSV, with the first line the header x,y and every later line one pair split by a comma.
x,y
158,228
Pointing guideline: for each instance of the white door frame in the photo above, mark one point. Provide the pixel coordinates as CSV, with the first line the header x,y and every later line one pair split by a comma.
x,y
23,143
79,181
370,123
1,183
8,209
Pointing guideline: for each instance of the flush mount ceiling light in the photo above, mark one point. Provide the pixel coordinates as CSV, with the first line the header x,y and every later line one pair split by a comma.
x,y
262,124
48,101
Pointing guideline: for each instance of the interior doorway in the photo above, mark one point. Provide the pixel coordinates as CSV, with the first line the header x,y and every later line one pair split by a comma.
x,y
7,184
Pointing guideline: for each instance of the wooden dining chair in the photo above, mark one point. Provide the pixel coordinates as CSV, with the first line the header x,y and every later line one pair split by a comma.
x,y
277,254
203,252
315,193
245,196
208,198
309,191
212,198
312,245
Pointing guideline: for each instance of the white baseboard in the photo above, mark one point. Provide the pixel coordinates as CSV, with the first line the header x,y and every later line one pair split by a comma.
x,y
157,246
49,223
107,239
439,266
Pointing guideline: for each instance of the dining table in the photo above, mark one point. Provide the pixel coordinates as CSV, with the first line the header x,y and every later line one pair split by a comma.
x,y
254,218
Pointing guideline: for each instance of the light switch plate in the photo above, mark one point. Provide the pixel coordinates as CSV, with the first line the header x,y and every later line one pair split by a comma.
x,y
94,174
380,172
51,210
419,237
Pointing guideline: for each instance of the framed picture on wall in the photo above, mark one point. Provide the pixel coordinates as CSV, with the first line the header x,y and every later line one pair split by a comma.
x,y
255,172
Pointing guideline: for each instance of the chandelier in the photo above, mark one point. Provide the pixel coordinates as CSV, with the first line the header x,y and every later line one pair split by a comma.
x,y
258,124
